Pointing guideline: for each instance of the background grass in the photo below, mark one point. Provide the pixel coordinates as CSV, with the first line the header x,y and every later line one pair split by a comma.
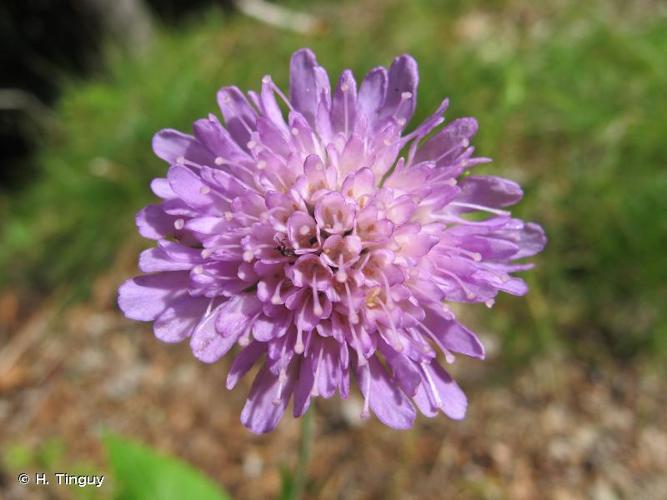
x,y
571,101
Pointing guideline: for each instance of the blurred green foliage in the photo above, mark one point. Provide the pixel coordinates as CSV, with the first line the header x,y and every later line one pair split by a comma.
x,y
141,473
571,101
50,455
134,471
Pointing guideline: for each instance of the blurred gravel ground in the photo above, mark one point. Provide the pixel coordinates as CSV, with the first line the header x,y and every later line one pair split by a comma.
x,y
553,429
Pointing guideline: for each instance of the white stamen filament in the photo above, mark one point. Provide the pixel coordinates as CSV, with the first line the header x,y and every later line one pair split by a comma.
x,y
277,90
341,276
453,219
418,339
243,183
317,307
282,378
230,245
444,175
365,413
395,337
298,141
434,390
354,317
314,391
281,182
469,293
387,288
318,147
476,256
482,208
275,298
251,217
464,143
245,339
242,119
307,342
182,160
248,171
358,348
364,262
346,125
298,345
449,356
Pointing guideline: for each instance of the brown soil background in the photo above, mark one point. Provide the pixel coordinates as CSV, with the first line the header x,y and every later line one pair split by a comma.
x,y
556,428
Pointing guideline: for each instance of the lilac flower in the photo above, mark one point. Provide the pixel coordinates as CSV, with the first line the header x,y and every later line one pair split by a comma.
x,y
328,244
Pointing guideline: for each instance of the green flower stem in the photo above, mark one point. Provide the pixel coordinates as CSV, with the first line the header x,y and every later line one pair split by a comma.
x,y
301,472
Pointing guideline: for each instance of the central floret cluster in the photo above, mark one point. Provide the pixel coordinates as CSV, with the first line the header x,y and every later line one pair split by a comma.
x,y
333,255
312,243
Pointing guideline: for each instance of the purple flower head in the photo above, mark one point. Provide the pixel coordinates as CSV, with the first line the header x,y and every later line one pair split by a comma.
x,y
328,243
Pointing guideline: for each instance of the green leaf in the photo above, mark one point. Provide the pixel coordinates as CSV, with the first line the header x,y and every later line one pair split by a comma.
x,y
141,473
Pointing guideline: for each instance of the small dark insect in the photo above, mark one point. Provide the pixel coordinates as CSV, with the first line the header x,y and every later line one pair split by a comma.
x,y
284,250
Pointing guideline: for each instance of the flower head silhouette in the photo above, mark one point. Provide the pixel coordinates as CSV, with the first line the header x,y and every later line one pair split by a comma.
x,y
328,243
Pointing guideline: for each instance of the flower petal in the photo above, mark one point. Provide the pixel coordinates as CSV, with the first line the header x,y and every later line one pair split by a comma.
x,y
389,403
532,240
489,191
304,385
448,144
154,223
243,362
171,145
343,107
453,336
372,94
144,298
207,344
189,187
238,114
218,141
269,105
401,98
308,81
450,398
236,315
179,319
267,400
